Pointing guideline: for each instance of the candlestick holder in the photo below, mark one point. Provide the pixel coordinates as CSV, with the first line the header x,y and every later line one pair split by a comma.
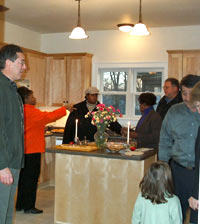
x,y
76,141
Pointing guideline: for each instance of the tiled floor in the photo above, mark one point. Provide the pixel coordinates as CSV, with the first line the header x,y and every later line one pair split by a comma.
x,y
45,201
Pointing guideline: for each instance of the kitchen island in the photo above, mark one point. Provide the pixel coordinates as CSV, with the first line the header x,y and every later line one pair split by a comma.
x,y
97,187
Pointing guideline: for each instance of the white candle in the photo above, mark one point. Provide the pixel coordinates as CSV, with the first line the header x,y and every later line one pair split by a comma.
x,y
76,130
128,132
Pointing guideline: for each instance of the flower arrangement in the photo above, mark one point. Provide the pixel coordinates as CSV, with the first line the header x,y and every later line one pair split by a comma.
x,y
103,116
102,119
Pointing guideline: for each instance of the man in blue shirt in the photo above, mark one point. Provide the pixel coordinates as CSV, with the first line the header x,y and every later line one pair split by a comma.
x,y
177,142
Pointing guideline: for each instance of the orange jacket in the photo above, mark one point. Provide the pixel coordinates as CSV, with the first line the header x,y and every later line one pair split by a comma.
x,y
34,126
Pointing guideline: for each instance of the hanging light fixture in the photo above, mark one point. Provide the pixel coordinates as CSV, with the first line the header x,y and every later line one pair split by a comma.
x,y
78,32
140,28
125,27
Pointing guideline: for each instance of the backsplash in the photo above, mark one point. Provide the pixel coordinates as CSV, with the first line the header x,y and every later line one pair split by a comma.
x,y
60,122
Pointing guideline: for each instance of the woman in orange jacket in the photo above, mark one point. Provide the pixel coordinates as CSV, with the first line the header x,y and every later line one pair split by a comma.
x,y
34,144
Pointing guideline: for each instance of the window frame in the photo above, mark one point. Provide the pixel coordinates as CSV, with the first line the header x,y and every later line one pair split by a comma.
x,y
132,69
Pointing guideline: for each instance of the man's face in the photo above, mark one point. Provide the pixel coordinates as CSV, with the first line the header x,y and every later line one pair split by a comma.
x,y
17,67
92,98
170,90
186,95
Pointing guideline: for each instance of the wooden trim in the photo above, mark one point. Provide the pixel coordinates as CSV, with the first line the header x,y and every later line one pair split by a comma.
x,y
56,55
70,54
183,51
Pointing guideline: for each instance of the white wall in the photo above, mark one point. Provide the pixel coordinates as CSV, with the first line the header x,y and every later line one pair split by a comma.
x,y
25,38
115,46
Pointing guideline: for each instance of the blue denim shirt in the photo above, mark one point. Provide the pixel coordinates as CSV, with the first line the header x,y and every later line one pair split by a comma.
x,y
178,135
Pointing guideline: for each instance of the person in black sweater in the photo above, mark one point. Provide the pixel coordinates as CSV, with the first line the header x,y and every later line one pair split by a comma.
x,y
171,97
85,129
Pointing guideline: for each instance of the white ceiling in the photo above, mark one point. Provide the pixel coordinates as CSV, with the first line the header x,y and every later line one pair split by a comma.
x,y
52,16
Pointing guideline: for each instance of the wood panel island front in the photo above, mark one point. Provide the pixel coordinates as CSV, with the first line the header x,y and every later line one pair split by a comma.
x,y
97,187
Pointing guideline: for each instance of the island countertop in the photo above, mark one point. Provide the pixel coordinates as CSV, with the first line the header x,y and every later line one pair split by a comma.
x,y
104,154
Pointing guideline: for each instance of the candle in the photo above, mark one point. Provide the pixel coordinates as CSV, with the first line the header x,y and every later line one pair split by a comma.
x,y
128,132
76,130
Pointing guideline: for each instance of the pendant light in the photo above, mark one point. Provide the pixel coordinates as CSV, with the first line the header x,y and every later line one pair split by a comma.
x,y
78,32
140,28
125,27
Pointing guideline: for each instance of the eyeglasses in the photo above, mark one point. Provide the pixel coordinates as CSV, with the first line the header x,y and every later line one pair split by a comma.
x,y
21,62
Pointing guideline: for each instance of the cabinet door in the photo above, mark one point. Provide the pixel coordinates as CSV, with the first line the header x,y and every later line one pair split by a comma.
x,y
175,65
78,77
36,74
191,63
2,22
56,81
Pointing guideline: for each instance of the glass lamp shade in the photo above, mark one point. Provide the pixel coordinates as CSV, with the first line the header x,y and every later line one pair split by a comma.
x,y
78,33
140,29
126,27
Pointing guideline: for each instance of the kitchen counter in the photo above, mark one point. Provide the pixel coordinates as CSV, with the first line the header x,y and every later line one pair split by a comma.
x,y
97,187
103,154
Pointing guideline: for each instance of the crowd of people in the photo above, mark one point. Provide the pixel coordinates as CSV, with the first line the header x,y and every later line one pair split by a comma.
x,y
168,188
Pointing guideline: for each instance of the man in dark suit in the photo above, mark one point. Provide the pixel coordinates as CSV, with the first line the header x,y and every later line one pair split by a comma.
x,y
171,97
85,129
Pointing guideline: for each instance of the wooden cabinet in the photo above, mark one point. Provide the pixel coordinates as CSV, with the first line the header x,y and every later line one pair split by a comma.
x,y
183,62
68,75
57,77
36,74
2,22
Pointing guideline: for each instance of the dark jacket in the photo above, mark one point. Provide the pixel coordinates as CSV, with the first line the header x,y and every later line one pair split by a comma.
x,y
85,128
163,106
195,192
149,131
11,125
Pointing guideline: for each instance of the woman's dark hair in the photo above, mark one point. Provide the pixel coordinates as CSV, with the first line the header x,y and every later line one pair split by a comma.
x,y
189,81
157,183
147,98
24,93
9,52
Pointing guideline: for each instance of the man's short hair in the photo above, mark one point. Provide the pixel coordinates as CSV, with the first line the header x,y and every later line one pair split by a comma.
x,y
189,81
173,81
24,93
8,51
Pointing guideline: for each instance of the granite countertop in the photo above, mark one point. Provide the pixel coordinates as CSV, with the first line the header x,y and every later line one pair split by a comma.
x,y
105,154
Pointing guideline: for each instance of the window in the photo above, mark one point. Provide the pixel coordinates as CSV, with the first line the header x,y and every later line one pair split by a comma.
x,y
114,88
122,86
148,80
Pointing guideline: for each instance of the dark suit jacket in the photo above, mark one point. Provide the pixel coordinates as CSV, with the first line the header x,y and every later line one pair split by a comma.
x,y
163,106
148,132
195,193
85,128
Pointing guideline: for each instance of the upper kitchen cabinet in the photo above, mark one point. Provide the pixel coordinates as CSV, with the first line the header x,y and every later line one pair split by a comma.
x,y
183,62
36,74
68,75
2,20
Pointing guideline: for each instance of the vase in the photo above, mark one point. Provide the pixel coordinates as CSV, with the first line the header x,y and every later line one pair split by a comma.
x,y
101,137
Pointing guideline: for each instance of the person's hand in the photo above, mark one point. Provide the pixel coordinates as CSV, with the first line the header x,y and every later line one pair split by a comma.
x,y
124,131
194,203
70,107
133,134
6,176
